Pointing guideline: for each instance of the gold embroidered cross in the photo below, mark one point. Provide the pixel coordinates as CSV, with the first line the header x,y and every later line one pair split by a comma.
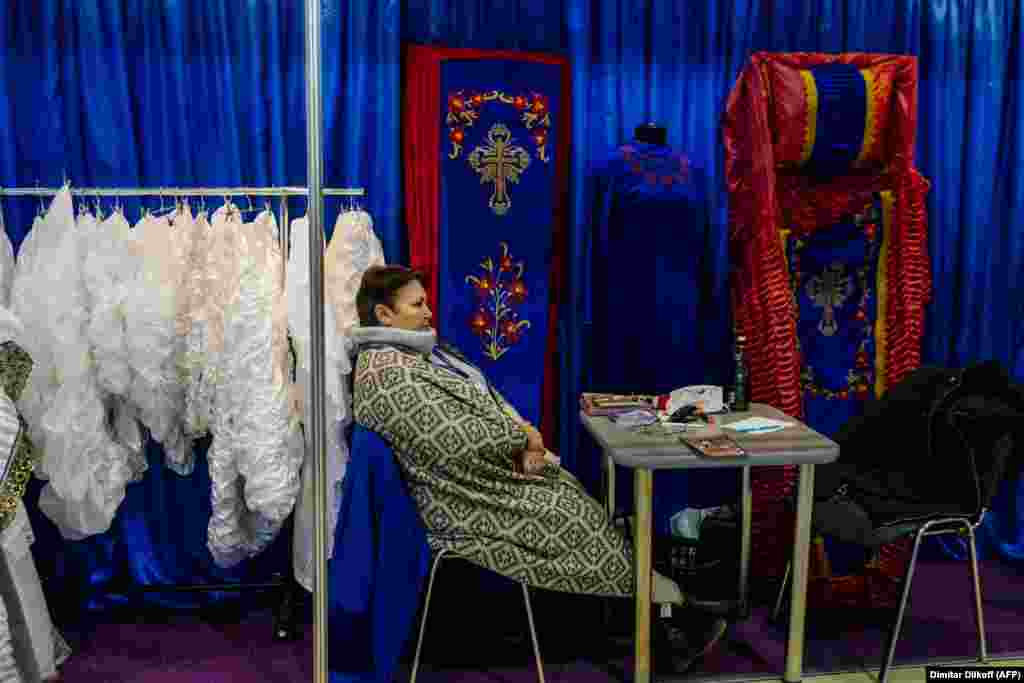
x,y
500,163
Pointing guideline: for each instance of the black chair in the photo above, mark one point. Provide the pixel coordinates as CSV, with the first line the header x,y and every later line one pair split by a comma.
x,y
988,438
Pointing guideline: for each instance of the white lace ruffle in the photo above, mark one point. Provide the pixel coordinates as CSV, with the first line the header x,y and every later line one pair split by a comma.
x,y
63,404
354,248
195,360
337,413
6,265
253,430
151,321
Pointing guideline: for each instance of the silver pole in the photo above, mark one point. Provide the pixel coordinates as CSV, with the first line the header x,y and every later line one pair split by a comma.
x,y
316,302
344,192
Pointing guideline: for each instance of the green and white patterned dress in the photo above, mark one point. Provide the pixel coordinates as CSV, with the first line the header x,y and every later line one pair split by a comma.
x,y
455,443
16,461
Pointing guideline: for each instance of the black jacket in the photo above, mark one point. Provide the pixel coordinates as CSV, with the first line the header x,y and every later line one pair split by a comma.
x,y
940,437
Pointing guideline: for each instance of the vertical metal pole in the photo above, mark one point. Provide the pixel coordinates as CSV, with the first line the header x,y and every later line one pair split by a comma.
x,y
316,302
746,515
798,597
643,489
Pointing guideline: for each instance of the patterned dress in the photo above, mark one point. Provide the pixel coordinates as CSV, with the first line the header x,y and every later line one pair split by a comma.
x,y
16,466
455,443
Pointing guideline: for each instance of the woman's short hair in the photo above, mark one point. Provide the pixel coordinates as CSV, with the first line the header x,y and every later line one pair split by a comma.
x,y
380,285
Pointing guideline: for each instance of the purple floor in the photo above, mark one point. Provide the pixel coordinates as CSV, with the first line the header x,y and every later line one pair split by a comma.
x,y
472,633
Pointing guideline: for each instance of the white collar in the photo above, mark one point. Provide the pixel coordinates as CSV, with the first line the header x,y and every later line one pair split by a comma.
x,y
422,341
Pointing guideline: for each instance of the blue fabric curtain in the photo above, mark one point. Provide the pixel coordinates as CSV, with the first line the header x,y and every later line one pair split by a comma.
x,y
182,92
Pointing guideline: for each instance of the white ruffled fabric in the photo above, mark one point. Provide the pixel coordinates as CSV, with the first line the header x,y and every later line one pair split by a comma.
x,y
336,409
6,265
87,469
354,248
254,437
28,297
151,318
196,360
110,269
9,428
218,407
62,403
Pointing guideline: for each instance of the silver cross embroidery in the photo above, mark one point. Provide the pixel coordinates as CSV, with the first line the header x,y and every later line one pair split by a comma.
x,y
829,290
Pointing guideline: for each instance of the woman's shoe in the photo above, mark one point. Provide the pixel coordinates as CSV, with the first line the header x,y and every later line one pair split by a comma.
x,y
702,636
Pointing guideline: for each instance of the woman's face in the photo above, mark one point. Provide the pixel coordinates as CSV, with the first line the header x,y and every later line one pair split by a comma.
x,y
410,312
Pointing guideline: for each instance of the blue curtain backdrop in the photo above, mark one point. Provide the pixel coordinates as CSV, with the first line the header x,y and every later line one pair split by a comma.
x,y
190,92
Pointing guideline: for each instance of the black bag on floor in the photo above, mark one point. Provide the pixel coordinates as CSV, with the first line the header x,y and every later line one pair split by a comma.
x,y
708,568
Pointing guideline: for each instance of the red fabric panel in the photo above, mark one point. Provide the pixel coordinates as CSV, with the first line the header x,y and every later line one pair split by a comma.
x,y
763,199
421,120
790,115
421,125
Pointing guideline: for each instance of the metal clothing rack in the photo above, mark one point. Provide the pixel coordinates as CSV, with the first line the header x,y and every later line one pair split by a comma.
x,y
284,624
318,423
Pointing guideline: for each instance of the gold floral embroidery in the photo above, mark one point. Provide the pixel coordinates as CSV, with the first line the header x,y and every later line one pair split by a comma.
x,y
499,162
15,366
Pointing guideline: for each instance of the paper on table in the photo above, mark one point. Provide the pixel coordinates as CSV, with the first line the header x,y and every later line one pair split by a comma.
x,y
634,418
757,425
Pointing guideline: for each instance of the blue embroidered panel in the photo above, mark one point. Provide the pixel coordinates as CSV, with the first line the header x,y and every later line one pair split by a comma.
x,y
833,274
498,177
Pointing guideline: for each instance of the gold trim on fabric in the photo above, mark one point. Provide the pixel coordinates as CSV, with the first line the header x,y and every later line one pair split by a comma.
x,y
15,479
811,124
870,132
784,237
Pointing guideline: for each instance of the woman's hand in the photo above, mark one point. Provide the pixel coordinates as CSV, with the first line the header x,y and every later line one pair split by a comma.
x,y
534,440
532,462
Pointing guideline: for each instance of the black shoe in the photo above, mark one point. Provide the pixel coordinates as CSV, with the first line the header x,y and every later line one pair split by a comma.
x,y
702,637
668,643
680,642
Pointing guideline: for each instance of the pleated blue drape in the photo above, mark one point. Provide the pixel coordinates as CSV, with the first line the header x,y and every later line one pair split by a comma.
x,y
184,92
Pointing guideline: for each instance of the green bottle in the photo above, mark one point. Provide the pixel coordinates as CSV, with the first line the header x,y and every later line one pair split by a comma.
x,y
741,401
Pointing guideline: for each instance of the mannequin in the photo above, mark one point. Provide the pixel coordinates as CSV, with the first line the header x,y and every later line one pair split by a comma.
x,y
651,133
656,256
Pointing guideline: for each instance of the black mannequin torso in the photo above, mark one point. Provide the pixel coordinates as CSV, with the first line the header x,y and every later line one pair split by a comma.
x,y
651,134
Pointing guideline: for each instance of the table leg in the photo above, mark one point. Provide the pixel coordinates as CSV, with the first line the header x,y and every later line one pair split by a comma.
x,y
642,488
746,513
798,597
609,470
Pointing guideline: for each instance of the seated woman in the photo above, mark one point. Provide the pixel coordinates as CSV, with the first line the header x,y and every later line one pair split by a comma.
x,y
483,481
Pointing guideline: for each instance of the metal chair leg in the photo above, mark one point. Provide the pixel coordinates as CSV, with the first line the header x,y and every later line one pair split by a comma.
x,y
976,588
533,632
894,634
423,619
782,591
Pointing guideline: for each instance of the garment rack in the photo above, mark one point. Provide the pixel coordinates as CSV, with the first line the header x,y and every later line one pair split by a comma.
x,y
181,191
284,624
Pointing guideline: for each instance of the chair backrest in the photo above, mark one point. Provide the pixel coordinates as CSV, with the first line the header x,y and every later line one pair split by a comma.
x,y
983,414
